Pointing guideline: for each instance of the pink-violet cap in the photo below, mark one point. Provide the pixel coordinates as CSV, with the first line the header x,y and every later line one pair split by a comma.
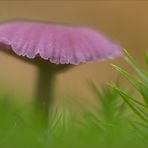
x,y
60,44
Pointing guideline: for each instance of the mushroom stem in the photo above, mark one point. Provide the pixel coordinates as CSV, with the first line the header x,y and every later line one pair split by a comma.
x,y
44,94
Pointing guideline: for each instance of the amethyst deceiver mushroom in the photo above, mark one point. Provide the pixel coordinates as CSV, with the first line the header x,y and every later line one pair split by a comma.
x,y
53,48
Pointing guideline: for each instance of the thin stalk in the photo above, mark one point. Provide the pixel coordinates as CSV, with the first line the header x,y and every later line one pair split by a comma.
x,y
44,93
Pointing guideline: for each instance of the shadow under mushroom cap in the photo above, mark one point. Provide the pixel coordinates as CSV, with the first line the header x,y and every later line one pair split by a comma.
x,y
58,44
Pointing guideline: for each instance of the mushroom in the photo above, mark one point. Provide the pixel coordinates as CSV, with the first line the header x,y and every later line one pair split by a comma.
x,y
53,48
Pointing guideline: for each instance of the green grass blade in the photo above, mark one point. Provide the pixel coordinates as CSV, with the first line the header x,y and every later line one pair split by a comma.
x,y
134,65
125,98
146,58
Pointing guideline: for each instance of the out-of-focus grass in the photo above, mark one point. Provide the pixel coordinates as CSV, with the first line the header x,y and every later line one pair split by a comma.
x,y
116,120
103,128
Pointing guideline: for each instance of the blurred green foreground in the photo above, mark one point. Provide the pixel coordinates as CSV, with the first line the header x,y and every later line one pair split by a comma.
x,y
119,119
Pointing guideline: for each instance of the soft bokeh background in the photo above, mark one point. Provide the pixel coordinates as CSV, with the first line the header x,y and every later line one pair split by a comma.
x,y
123,21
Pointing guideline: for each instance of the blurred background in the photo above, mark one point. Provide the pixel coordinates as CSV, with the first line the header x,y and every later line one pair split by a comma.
x,y
125,22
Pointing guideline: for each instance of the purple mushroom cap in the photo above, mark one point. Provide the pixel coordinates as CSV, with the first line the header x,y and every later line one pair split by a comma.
x,y
60,44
